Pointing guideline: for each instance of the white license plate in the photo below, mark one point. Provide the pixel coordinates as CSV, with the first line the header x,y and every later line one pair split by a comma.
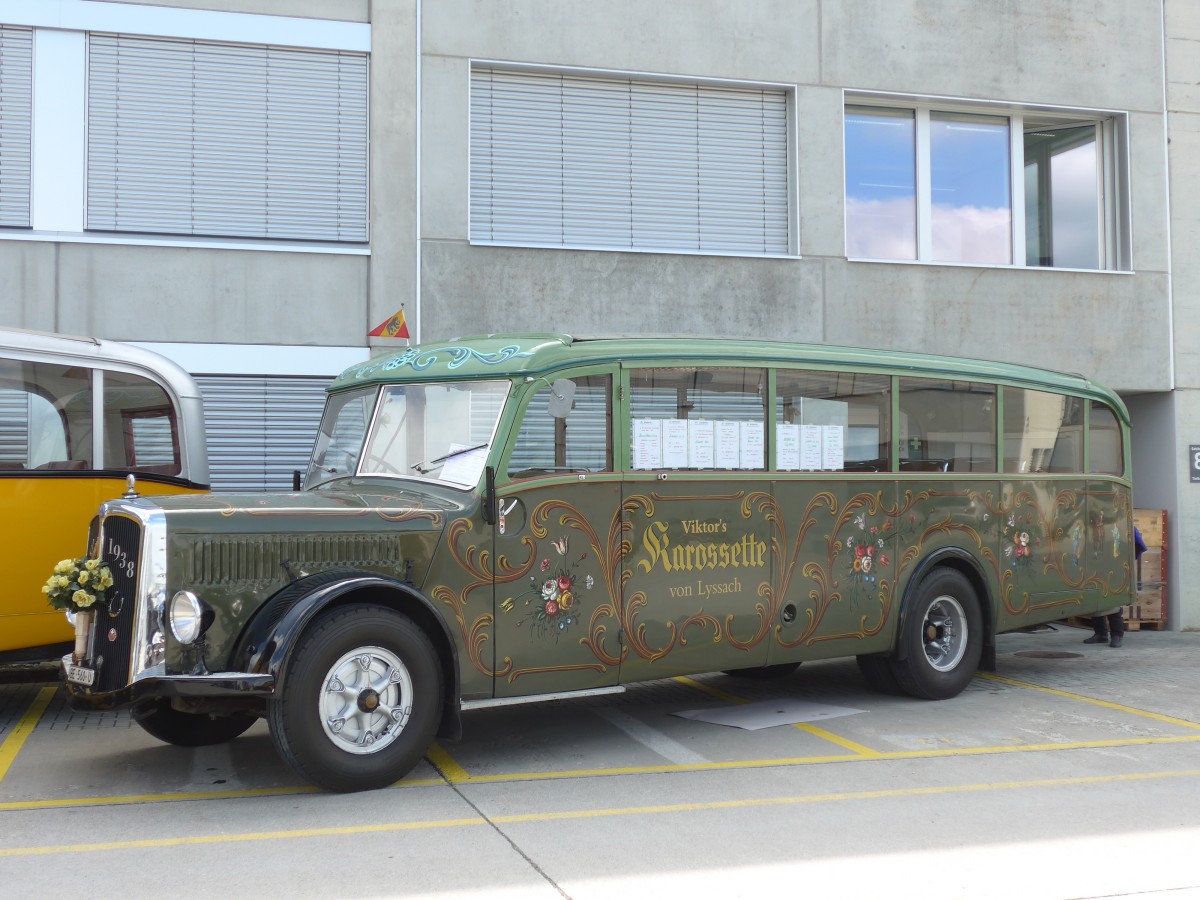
x,y
81,675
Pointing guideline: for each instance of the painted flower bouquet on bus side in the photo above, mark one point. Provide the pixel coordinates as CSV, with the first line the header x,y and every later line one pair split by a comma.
x,y
78,585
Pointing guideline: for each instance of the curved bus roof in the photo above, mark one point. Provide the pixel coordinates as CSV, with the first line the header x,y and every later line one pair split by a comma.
x,y
41,346
21,343
508,355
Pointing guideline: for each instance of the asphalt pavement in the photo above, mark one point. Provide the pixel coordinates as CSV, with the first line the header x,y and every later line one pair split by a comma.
x,y
1072,771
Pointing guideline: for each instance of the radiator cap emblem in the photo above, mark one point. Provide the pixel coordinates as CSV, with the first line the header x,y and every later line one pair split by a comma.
x,y
112,634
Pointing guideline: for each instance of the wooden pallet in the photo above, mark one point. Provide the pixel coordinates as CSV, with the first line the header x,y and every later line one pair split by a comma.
x,y
1130,624
1145,625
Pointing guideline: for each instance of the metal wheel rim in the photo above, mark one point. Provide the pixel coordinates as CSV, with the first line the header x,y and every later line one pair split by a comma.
x,y
366,700
944,633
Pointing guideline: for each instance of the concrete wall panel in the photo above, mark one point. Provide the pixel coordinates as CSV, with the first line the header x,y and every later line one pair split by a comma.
x,y
821,174
485,289
1148,192
1090,324
1033,51
1185,237
761,40
394,161
218,296
27,286
445,146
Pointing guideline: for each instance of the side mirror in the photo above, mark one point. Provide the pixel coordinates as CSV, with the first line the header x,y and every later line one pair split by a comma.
x,y
562,396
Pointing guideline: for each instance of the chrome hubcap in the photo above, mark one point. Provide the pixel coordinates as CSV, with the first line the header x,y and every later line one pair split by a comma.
x,y
945,633
366,700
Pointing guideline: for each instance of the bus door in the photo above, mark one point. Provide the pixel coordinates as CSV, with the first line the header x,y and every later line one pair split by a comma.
x,y
557,546
699,571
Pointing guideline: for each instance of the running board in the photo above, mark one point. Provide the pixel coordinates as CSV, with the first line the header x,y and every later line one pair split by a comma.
x,y
466,705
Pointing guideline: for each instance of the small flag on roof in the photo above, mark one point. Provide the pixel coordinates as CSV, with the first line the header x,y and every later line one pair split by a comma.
x,y
395,327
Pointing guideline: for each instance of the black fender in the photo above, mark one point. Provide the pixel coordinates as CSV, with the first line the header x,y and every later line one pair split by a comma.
x,y
267,644
956,558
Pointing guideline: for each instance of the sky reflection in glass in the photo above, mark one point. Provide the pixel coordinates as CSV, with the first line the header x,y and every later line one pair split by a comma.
x,y
881,187
969,171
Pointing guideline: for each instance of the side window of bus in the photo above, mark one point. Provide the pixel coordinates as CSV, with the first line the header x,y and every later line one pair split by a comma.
x,y
45,416
698,418
947,426
832,421
140,429
1106,449
580,441
1043,432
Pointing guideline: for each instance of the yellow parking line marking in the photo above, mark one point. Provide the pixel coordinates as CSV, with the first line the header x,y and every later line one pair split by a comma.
x,y
816,731
13,743
854,747
445,764
462,777
1144,713
525,818
125,800
455,774
707,689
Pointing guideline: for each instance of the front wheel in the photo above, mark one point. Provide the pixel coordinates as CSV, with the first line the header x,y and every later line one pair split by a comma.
x,y
941,640
361,700
183,729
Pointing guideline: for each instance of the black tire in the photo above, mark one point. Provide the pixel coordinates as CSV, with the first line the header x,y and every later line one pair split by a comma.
x,y
330,720
764,673
877,669
190,729
941,640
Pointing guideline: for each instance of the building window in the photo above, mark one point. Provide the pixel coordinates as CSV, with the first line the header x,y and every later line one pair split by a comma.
x,y
198,138
568,160
16,119
986,186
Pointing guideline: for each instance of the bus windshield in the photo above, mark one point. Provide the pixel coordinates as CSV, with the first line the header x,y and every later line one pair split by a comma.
x,y
440,432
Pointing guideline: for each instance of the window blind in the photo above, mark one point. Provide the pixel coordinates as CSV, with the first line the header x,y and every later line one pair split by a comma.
x,y
190,137
16,122
259,429
578,161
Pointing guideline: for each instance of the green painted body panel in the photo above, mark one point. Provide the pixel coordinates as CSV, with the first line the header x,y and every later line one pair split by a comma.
x,y
590,580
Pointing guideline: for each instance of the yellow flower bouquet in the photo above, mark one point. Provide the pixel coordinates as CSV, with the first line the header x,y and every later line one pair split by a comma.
x,y
78,585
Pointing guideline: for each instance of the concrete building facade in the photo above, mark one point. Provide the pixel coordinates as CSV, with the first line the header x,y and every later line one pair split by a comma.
x,y
880,173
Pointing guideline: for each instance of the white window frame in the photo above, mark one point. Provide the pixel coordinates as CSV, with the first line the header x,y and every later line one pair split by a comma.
x,y
790,126
1112,143
59,132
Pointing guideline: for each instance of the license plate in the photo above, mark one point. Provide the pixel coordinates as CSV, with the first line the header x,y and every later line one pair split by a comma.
x,y
81,675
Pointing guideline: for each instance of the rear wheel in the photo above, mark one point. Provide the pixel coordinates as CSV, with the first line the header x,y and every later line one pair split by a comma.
x,y
190,729
942,637
764,673
361,699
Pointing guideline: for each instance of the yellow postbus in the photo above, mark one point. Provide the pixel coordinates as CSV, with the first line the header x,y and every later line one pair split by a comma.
x,y
77,416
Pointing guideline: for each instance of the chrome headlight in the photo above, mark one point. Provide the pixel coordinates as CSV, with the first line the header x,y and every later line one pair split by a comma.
x,y
186,616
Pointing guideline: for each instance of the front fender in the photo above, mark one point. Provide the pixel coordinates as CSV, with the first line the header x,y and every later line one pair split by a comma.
x,y
267,649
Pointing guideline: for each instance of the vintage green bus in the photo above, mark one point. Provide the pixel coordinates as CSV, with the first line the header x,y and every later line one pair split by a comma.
x,y
520,517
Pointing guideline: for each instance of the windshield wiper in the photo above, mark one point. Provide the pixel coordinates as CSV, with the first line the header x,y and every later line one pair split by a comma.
x,y
419,466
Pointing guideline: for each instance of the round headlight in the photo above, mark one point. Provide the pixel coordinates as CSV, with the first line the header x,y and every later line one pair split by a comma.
x,y
185,616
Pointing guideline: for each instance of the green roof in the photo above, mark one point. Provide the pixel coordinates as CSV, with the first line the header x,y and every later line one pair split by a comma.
x,y
509,355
